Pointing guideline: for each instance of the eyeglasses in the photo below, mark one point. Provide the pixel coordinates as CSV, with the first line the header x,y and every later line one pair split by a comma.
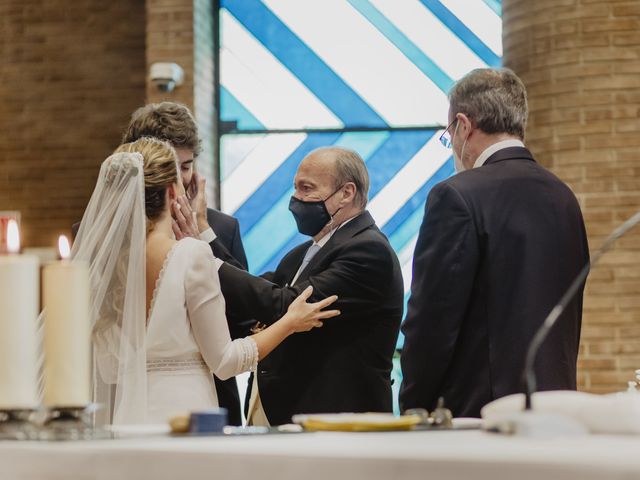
x,y
445,138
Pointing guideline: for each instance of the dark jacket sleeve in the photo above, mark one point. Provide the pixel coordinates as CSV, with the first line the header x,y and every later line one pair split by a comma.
x,y
444,266
220,251
228,243
237,248
357,275
228,247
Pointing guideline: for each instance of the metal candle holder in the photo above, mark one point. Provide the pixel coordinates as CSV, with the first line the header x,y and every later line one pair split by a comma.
x,y
16,424
70,423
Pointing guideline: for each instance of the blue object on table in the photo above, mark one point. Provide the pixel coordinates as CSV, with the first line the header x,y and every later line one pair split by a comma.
x,y
208,421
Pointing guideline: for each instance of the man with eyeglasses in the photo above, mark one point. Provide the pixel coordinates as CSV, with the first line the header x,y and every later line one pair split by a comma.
x,y
499,244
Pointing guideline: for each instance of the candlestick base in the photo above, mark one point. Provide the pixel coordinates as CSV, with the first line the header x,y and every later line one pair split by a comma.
x,y
15,424
70,423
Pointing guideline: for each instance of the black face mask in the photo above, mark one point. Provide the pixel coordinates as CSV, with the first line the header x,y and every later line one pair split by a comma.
x,y
311,217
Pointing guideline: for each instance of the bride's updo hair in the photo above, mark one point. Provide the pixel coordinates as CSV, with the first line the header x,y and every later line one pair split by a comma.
x,y
160,171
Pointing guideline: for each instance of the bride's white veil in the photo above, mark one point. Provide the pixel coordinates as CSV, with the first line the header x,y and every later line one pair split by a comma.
x,y
112,239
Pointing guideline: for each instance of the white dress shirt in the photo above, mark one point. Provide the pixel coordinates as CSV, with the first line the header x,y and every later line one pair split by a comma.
x,y
494,148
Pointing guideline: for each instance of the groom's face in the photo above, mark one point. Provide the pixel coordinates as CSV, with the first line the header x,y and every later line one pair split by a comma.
x,y
185,164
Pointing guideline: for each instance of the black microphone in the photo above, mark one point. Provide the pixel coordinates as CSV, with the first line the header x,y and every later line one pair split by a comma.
x,y
549,322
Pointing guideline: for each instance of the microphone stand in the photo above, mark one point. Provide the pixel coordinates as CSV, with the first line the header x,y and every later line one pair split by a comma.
x,y
528,422
552,318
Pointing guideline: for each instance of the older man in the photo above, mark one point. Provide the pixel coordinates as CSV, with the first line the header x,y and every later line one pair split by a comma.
x,y
345,365
499,244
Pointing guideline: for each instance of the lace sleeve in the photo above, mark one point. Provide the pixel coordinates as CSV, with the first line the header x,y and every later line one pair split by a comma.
x,y
206,309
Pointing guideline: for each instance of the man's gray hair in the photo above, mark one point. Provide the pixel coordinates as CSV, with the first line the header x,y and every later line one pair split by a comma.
x,y
494,98
349,167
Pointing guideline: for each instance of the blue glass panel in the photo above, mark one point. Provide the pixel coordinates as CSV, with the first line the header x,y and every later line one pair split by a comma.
x,y
280,69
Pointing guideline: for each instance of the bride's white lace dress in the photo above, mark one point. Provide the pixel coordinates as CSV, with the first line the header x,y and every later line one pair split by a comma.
x,y
187,335
148,366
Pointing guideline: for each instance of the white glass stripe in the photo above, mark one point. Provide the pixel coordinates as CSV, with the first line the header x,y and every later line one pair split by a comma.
x,y
264,86
234,149
407,181
438,43
480,19
405,257
256,168
369,63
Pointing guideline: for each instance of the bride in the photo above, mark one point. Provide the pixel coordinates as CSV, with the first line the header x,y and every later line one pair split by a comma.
x,y
157,312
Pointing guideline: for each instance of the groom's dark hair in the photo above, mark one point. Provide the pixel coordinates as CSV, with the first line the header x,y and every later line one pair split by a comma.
x,y
169,121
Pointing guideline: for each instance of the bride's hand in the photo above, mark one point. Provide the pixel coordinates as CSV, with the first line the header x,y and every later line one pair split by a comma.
x,y
304,316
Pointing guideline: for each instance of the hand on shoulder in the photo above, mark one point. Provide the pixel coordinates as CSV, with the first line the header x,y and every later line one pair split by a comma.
x,y
303,316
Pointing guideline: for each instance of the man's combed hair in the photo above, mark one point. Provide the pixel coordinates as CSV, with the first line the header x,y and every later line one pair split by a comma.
x,y
349,167
167,121
494,98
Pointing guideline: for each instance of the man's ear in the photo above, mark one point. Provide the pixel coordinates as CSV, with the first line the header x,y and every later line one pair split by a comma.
x,y
349,192
466,124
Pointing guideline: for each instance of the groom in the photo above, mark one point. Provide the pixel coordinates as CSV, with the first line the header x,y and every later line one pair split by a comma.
x,y
174,123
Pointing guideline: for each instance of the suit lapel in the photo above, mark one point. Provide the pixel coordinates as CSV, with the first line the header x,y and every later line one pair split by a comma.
x,y
355,226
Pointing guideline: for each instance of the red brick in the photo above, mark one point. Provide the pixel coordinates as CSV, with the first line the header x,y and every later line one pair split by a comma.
x,y
71,77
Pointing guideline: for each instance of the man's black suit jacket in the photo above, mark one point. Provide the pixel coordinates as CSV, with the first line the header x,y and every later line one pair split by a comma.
x,y
498,247
345,365
228,234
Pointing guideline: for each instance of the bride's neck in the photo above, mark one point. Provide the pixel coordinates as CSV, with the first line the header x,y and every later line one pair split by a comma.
x,y
162,226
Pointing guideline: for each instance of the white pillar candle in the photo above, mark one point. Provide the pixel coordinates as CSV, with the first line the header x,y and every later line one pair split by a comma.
x,y
19,301
67,356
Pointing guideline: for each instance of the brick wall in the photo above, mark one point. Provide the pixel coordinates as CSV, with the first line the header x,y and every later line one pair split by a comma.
x,y
70,75
580,61
181,31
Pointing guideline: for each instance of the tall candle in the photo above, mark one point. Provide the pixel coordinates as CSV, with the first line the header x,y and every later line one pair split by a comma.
x,y
19,301
67,357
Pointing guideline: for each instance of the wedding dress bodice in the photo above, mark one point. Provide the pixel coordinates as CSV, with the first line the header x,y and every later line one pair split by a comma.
x,y
187,335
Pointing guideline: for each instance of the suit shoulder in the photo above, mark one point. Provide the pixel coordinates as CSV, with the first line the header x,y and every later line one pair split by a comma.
x,y
217,219
372,241
557,181
456,187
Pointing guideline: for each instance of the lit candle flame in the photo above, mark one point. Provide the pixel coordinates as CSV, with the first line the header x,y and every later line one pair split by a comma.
x,y
63,247
13,237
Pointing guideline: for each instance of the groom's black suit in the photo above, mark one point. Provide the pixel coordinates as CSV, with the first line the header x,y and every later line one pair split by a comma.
x,y
344,366
228,234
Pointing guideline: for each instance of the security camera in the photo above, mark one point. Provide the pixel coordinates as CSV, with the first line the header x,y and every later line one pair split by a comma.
x,y
166,76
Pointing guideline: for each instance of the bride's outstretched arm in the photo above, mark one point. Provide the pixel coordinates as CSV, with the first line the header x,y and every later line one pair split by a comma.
x,y
300,317
206,308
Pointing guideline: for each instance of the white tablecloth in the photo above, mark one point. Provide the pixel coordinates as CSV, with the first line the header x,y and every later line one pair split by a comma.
x,y
327,456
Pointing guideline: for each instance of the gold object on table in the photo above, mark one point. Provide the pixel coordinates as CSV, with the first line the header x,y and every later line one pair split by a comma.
x,y
180,423
357,422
